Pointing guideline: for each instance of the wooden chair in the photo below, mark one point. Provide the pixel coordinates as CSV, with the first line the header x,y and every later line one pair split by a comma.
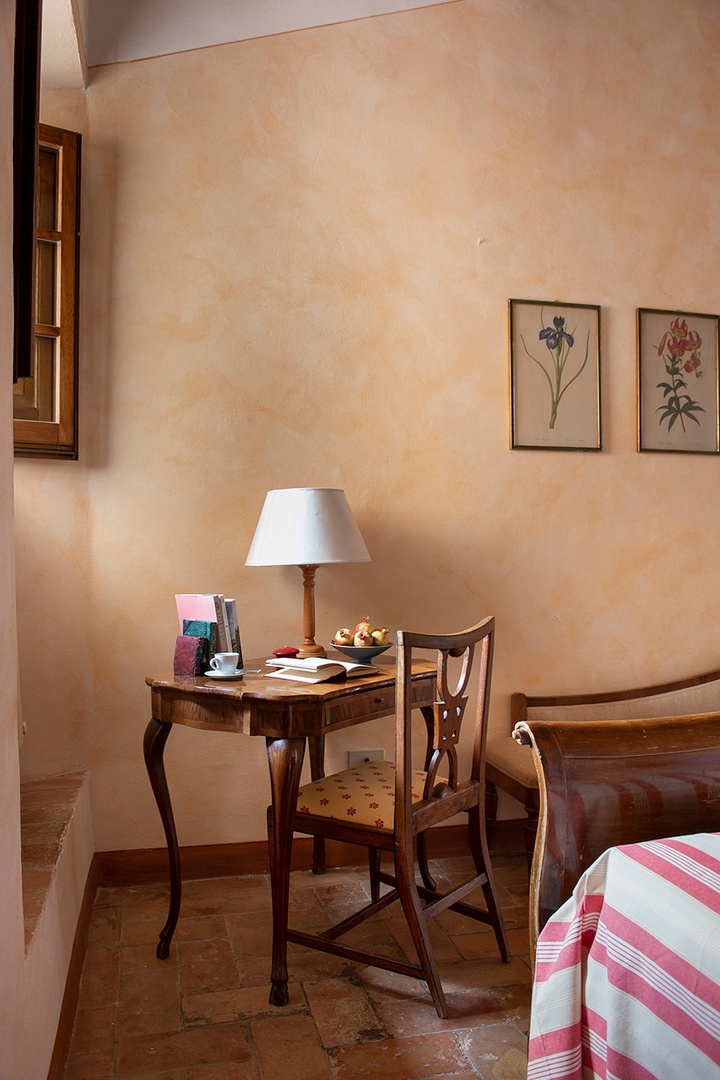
x,y
603,783
387,807
510,767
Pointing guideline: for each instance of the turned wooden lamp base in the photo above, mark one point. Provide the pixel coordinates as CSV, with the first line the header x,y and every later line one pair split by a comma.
x,y
308,647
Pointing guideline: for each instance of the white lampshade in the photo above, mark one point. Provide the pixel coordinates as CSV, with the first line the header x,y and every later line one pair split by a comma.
x,y
306,527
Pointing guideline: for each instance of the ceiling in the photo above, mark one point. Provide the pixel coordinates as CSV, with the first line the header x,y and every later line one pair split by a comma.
x,y
81,34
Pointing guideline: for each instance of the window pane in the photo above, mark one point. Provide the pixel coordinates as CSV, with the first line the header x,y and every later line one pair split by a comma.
x,y
46,282
45,377
34,398
47,203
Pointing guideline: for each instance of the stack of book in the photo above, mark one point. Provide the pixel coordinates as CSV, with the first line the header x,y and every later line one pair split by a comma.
x,y
208,624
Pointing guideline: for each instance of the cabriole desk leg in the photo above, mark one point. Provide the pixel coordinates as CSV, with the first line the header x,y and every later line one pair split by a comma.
x,y
156,735
285,758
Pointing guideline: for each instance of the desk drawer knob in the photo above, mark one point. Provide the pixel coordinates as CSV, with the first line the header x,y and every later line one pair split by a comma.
x,y
379,700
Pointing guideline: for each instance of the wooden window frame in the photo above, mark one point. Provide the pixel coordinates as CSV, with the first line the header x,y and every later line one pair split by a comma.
x,y
59,437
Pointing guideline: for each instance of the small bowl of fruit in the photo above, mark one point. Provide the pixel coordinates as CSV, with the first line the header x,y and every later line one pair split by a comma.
x,y
363,643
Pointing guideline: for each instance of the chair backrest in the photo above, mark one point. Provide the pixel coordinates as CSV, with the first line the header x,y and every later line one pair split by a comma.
x,y
604,783
458,656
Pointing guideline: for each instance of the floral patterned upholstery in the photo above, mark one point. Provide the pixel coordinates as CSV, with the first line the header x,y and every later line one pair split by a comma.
x,y
364,795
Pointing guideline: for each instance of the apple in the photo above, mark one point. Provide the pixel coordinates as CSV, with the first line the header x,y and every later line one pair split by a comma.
x,y
380,636
343,636
362,637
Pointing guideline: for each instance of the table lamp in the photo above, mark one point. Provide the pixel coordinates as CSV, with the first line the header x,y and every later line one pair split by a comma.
x,y
306,527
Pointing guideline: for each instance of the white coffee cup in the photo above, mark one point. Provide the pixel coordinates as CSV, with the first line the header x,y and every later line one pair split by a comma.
x,y
225,663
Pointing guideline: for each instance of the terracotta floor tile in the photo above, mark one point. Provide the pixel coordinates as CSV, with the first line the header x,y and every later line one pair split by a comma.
x,y
304,964
149,1001
214,896
206,965
451,922
515,1003
204,1013
472,946
469,1009
484,972
498,1052
94,1033
255,971
164,1074
306,911
232,1006
335,876
343,1013
104,930
513,876
202,927
290,1046
248,1070
149,907
219,1043
472,1075
400,1059
134,958
143,931
388,986
100,975
375,935
443,946
250,937
97,1067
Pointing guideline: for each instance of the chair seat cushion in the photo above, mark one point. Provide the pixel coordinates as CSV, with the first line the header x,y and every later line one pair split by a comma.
x,y
514,760
364,795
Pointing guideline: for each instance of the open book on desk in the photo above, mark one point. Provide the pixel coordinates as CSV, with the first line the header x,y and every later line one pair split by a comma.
x,y
315,669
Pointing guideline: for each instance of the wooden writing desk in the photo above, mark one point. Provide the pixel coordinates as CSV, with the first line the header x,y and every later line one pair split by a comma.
x,y
287,714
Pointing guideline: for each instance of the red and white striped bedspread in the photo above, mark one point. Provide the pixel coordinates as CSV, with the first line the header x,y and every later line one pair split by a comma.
x,y
627,976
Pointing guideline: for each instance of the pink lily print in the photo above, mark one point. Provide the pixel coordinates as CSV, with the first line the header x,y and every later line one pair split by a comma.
x,y
679,350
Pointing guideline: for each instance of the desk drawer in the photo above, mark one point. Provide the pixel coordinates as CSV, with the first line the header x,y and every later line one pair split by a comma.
x,y
369,705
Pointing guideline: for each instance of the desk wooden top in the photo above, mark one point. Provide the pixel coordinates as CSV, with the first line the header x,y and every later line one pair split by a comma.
x,y
258,705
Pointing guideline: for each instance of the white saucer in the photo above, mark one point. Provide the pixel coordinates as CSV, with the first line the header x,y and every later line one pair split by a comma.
x,y
236,674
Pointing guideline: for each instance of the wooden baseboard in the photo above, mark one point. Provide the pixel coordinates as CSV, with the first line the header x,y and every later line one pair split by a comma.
x,y
63,1035
228,860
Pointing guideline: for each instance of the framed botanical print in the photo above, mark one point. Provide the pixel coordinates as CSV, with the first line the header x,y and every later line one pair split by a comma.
x,y
677,360
554,376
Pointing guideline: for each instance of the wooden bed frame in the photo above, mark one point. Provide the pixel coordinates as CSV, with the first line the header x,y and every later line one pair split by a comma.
x,y
510,766
603,783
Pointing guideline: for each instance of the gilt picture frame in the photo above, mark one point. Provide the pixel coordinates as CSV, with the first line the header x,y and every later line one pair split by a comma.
x,y
678,382
555,387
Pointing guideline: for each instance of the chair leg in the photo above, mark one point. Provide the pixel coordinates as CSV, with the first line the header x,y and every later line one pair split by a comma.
x,y
428,880
491,808
407,888
483,865
374,869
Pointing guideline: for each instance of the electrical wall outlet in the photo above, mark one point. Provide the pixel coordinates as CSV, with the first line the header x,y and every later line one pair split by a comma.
x,y
359,757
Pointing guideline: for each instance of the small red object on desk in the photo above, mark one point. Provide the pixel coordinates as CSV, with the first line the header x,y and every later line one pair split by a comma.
x,y
287,650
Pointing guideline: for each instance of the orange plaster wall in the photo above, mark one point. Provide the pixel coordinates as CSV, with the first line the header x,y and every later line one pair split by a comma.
x,y
297,255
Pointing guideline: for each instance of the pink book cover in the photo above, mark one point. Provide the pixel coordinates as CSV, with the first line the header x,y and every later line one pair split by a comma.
x,y
195,606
